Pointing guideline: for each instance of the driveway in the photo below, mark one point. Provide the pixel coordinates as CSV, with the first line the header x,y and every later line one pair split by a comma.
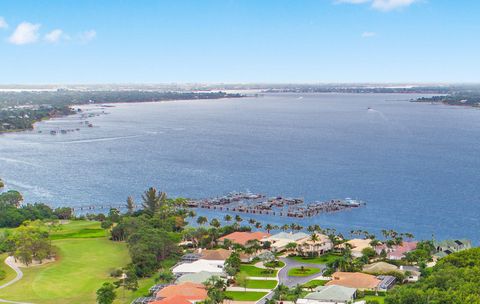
x,y
288,281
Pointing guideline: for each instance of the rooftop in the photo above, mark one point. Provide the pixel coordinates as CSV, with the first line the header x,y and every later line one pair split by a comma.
x,y
243,237
189,291
333,293
217,254
354,280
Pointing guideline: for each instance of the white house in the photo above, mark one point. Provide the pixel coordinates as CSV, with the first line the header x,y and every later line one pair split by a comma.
x,y
212,266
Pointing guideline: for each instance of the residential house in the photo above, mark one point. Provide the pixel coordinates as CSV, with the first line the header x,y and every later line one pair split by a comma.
x,y
333,294
396,252
197,277
379,268
319,247
176,299
187,291
212,266
356,280
447,247
243,237
412,273
279,241
358,245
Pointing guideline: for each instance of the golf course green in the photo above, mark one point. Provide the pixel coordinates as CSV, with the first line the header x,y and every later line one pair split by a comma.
x,y
85,260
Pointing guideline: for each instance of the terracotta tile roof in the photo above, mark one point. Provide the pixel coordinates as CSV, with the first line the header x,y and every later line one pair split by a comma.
x,y
354,280
177,299
217,254
190,291
243,237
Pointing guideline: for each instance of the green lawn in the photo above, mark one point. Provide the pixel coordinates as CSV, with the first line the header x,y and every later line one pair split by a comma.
x,y
314,283
253,271
323,259
307,271
278,264
261,284
379,299
245,295
79,229
84,263
10,274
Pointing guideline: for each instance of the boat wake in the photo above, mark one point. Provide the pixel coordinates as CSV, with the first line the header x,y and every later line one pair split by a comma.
x,y
81,141
18,161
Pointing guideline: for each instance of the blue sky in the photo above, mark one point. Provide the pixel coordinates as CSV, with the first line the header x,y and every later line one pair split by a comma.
x,y
91,41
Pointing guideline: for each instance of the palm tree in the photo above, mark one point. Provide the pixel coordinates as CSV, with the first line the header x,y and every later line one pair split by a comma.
x,y
293,226
258,225
201,220
215,289
215,223
285,227
130,205
252,221
268,227
238,219
310,228
227,218
153,202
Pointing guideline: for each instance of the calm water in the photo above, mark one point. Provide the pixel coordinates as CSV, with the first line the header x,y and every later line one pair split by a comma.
x,y
417,165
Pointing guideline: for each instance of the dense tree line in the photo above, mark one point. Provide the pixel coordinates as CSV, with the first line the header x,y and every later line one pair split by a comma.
x,y
454,280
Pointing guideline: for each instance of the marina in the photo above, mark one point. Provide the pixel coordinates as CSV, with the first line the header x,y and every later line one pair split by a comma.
x,y
245,202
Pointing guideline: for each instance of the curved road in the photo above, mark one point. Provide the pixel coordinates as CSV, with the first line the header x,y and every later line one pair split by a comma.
x,y
288,281
11,263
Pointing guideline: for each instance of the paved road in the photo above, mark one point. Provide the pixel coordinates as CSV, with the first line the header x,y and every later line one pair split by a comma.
x,y
294,281
11,263
284,279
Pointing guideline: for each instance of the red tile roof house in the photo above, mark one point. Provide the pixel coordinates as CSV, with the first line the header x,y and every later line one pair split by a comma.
x,y
188,291
242,238
396,252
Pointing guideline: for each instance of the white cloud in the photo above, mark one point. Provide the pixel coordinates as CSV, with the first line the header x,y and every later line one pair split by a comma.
x,y
368,34
54,36
25,33
88,36
388,5
3,23
381,5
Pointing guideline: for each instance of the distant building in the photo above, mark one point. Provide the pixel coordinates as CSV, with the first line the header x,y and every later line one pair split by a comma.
x,y
396,252
358,245
447,247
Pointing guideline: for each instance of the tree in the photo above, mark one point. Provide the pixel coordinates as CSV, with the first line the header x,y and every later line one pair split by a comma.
x,y
130,205
268,227
215,223
215,290
201,220
242,280
233,263
238,219
153,202
31,242
63,213
227,218
11,197
106,294
291,246
285,227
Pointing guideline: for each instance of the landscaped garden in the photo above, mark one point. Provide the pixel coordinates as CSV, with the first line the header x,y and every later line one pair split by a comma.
x,y
253,271
303,271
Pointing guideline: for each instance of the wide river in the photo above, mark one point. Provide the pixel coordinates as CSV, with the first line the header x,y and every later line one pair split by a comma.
x,y
416,165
